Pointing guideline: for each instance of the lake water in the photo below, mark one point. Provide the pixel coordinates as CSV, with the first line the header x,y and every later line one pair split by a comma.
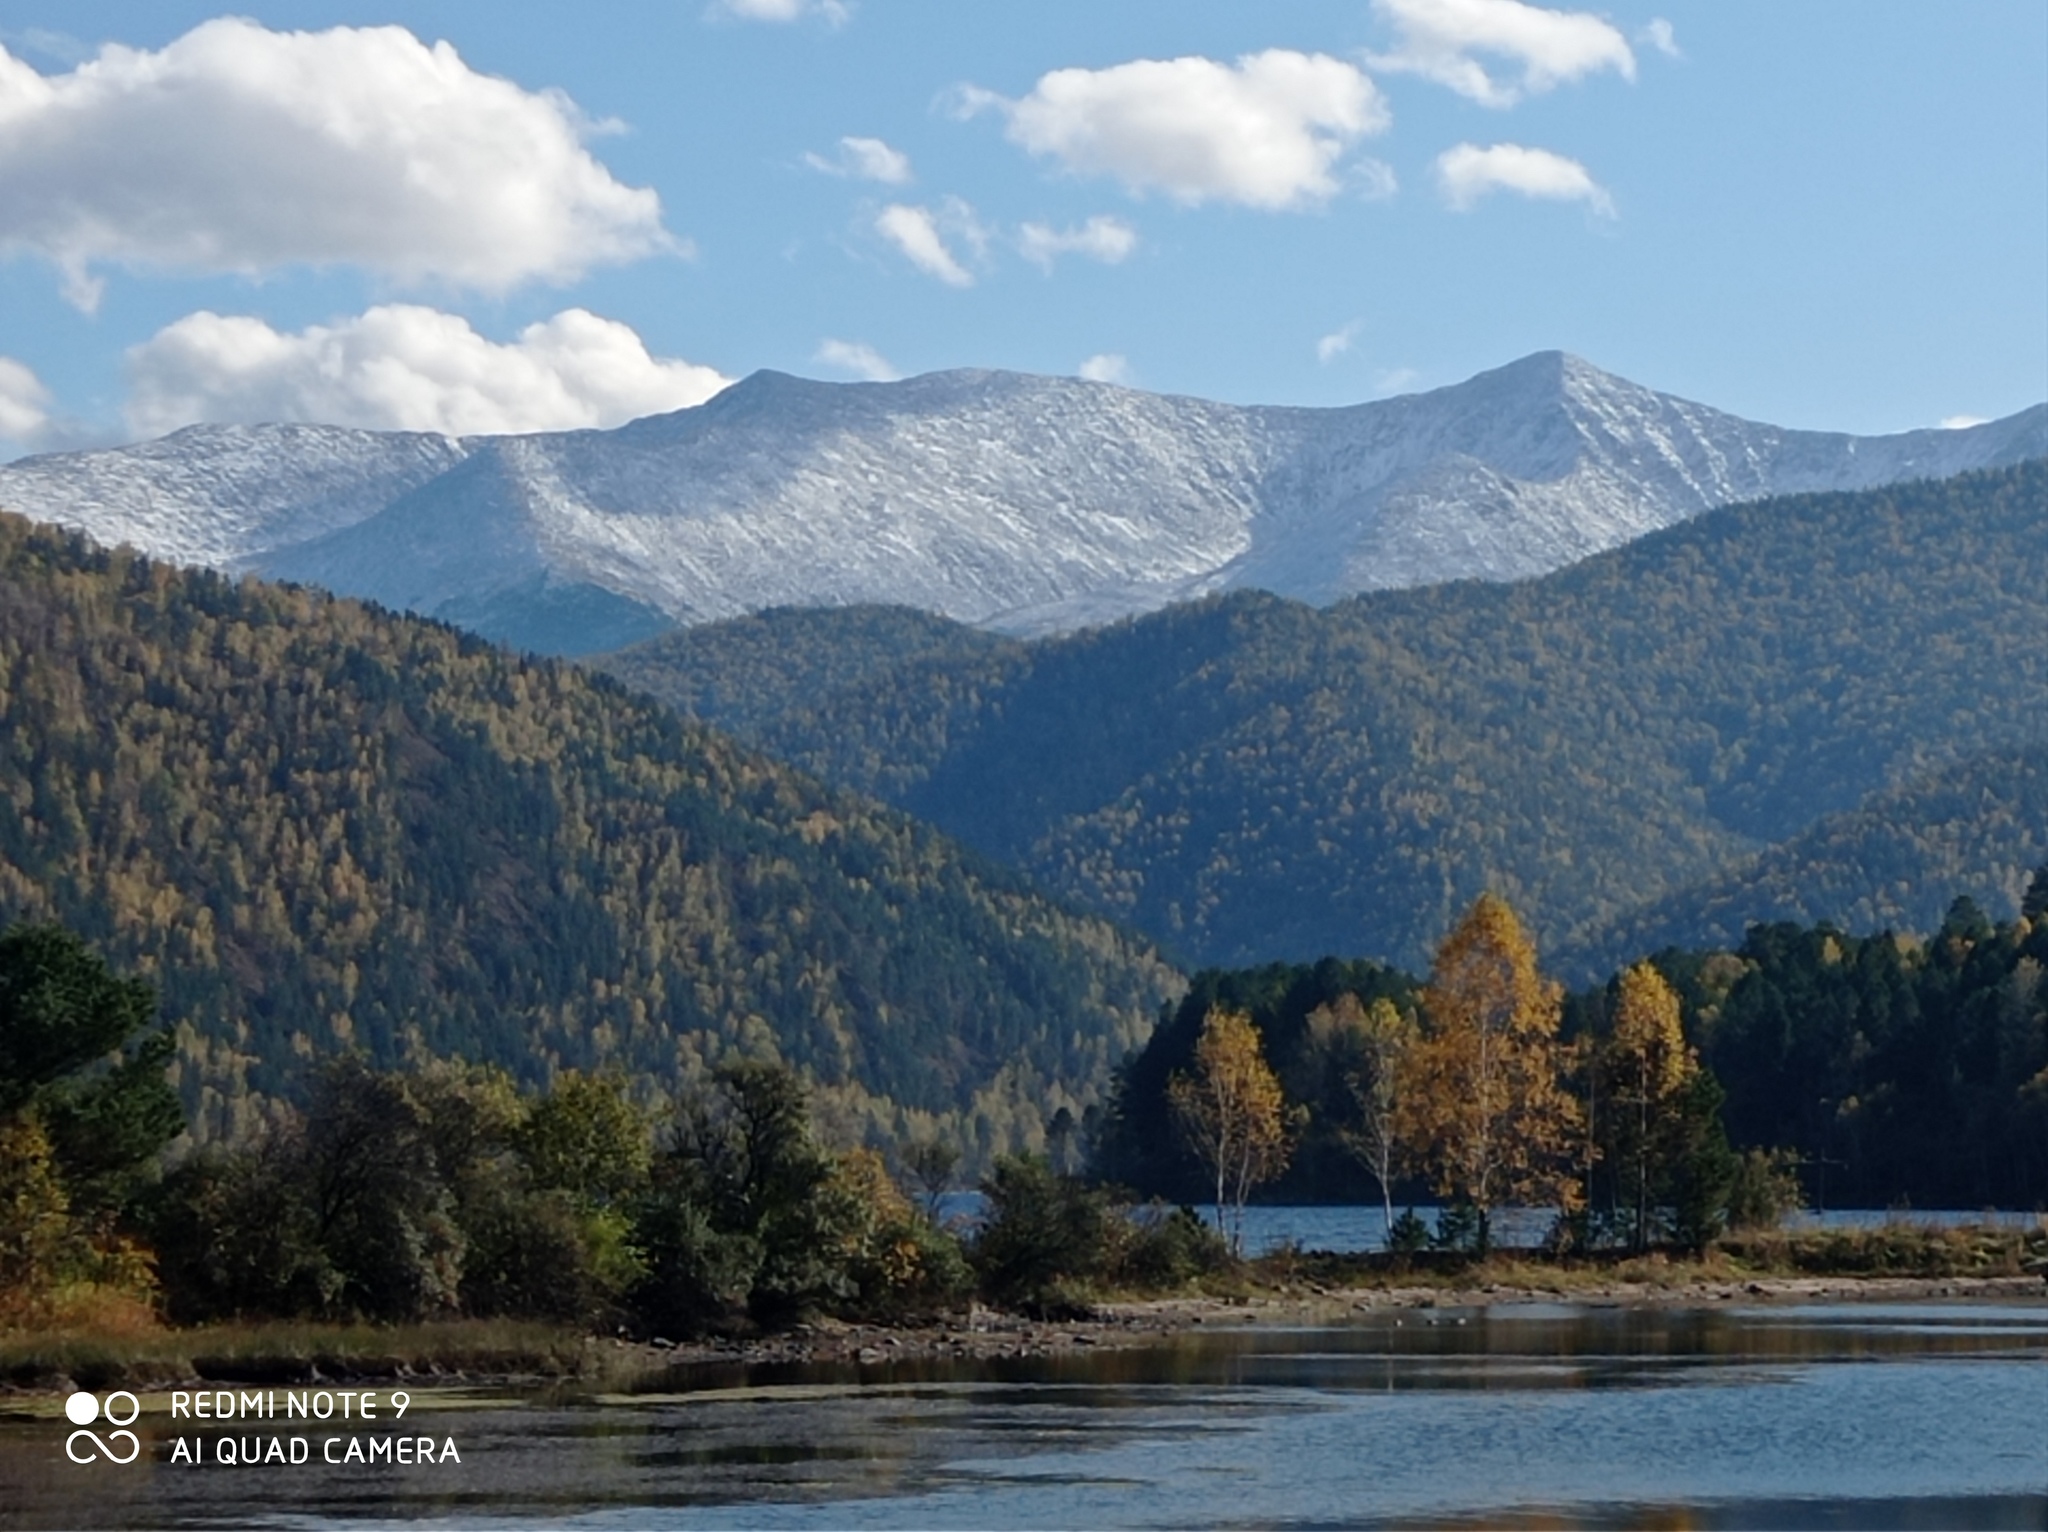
x,y
1842,1415
1348,1228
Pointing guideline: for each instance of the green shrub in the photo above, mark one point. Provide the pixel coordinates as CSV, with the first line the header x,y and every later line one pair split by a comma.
x,y
1163,1247
1044,1239
1765,1187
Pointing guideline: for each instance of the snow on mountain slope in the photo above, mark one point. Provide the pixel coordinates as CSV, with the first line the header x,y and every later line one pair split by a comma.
x,y
1024,503
227,496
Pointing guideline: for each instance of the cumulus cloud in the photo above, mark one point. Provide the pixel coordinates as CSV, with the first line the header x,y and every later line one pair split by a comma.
x,y
916,232
405,367
1101,238
1657,33
1468,172
1438,39
1266,132
865,159
1336,343
240,149
1948,422
1106,367
24,404
858,358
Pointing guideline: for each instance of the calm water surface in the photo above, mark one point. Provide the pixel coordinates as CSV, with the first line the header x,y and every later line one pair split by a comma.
x,y
1349,1227
1910,1415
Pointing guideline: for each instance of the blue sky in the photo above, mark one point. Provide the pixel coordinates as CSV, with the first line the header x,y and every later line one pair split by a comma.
x,y
1823,214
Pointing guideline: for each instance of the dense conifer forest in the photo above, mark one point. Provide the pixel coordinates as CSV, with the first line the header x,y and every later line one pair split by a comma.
x,y
319,827
1248,778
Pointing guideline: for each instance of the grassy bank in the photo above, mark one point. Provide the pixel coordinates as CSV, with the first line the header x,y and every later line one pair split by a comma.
x,y
1888,1251
133,1351
294,1352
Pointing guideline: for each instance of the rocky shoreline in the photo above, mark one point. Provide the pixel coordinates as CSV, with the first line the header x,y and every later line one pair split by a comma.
x,y
986,1334
990,1335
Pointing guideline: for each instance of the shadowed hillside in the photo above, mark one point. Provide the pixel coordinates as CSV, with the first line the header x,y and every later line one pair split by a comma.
x,y
316,825
1248,778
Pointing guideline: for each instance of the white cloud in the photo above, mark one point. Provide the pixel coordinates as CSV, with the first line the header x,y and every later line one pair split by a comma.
x,y
1469,172
1394,379
1657,33
915,232
865,159
1337,342
1101,238
404,367
858,358
1106,367
834,11
1267,132
1951,422
24,404
1438,39
240,149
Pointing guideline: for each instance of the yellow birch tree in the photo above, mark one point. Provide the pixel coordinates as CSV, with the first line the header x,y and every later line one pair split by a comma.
x,y
1649,1067
1233,1114
1373,1041
1482,1102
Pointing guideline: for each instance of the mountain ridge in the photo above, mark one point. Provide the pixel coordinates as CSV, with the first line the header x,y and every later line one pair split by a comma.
x,y
1023,503
1249,777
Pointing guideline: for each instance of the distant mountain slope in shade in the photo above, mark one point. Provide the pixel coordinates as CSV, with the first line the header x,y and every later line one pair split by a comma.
x,y
1248,778
317,826
1979,827
1027,504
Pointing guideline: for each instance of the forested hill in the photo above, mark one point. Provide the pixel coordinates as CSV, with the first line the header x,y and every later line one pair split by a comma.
x,y
1893,863
315,825
1248,778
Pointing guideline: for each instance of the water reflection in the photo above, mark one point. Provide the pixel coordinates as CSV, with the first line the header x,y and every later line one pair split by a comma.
x,y
1518,1415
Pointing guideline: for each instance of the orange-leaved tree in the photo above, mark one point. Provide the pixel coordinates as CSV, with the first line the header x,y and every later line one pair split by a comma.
x,y
1482,1102
1233,1113
1648,1069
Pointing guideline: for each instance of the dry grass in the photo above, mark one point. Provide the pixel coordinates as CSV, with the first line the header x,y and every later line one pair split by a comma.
x,y
1891,1250
1896,1250
95,1355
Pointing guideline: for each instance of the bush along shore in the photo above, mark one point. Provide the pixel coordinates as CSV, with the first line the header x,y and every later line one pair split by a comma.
x,y
1887,1263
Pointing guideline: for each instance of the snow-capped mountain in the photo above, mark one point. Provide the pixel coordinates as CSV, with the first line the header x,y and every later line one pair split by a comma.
x,y
1023,503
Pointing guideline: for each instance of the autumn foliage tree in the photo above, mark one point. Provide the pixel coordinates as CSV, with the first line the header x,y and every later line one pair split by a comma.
x,y
1371,1044
1482,1101
1648,1069
1234,1115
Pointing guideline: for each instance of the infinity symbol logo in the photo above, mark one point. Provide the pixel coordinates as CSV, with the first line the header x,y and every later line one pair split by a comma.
x,y
71,1446
83,1409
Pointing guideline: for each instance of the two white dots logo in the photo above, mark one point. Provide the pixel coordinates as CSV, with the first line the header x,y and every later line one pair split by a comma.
x,y
82,1409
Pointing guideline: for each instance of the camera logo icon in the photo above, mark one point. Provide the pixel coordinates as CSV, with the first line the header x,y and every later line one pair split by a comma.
x,y
82,1409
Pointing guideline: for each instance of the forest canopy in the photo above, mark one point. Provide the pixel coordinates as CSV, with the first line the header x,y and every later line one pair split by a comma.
x,y
1828,691
315,827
